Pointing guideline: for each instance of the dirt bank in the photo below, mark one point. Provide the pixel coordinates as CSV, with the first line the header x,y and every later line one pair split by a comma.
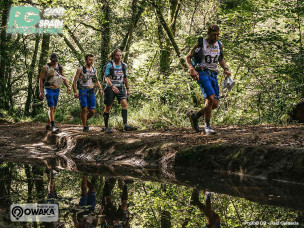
x,y
263,151
230,159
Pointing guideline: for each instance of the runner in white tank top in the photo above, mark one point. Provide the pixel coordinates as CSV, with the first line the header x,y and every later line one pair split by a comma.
x,y
206,54
212,54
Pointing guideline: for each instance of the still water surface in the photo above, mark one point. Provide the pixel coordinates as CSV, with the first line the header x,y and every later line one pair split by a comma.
x,y
95,200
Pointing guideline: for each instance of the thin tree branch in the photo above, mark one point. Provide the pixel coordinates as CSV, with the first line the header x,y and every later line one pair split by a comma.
x,y
131,29
192,17
139,13
75,39
74,51
92,27
174,18
237,213
169,33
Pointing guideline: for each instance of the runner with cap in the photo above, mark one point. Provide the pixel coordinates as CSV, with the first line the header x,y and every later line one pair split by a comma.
x,y
50,81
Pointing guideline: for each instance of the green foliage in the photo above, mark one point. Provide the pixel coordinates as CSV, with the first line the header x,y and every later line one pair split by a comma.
x,y
262,45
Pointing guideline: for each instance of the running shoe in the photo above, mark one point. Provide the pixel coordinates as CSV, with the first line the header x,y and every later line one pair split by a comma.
x,y
55,129
194,122
209,131
129,128
108,130
86,129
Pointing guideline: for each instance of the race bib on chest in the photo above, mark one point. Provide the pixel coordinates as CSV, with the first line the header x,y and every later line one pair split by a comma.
x,y
211,55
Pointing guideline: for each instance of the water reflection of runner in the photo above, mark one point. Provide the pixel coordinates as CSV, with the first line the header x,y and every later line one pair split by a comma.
x,y
52,194
213,219
52,198
86,217
112,216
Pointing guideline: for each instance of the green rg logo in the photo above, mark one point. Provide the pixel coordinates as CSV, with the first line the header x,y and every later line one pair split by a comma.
x,y
23,16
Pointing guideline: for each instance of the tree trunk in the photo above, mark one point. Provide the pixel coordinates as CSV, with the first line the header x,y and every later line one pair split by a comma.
x,y
164,59
164,44
141,9
5,185
131,29
45,46
165,219
165,52
165,215
174,10
106,35
297,113
301,45
76,40
8,75
299,27
169,33
4,99
30,92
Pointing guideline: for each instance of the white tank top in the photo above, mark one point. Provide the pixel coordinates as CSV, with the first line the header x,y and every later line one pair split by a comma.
x,y
211,54
86,79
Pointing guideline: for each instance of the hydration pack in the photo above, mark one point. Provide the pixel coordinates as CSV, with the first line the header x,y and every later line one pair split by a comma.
x,y
84,78
50,73
199,55
112,70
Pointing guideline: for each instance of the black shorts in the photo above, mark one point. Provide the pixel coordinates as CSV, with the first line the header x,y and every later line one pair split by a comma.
x,y
110,95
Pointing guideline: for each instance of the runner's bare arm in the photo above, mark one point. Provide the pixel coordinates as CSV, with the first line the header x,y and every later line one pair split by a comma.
x,y
62,69
41,77
189,56
194,74
99,86
75,80
224,65
108,81
126,82
65,82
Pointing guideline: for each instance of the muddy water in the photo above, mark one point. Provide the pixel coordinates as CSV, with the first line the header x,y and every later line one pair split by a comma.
x,y
96,199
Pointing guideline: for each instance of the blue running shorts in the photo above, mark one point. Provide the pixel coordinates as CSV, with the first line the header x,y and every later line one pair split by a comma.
x,y
51,96
87,98
208,83
88,200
